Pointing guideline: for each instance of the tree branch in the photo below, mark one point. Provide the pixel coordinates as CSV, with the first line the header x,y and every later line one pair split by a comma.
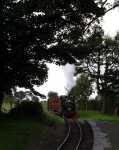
x,y
104,3
37,93
94,19
115,6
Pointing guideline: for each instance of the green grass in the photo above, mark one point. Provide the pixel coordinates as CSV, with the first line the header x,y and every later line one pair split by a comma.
x,y
54,118
91,115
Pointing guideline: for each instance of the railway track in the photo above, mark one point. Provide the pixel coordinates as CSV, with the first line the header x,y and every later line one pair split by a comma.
x,y
79,136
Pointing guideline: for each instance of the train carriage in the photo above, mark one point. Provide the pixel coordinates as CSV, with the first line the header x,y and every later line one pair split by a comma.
x,y
54,105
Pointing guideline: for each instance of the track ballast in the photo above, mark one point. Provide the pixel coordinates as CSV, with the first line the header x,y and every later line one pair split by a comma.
x,y
79,136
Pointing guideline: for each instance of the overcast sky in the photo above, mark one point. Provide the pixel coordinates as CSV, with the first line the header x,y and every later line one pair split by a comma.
x,y
61,78
111,22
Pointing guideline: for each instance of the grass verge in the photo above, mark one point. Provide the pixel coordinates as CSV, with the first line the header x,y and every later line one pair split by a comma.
x,y
15,134
54,119
92,115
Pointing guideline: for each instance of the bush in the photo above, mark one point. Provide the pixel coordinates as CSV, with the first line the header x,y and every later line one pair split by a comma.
x,y
27,109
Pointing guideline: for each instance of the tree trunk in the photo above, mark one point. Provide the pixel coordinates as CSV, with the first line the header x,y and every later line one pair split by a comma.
x,y
1,100
103,105
116,111
107,106
86,106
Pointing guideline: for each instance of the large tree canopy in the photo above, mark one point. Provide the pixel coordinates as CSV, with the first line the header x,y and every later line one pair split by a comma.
x,y
102,66
33,32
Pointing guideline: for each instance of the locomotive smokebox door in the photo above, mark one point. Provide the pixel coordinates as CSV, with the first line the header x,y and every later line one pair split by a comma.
x,y
68,106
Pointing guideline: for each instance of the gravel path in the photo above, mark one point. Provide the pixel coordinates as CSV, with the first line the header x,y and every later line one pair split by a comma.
x,y
106,135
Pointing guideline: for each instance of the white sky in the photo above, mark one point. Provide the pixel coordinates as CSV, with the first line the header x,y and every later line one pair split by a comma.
x,y
111,22
61,77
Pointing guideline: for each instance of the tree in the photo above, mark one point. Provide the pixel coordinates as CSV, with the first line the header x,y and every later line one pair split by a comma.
x,y
20,95
9,102
82,90
33,32
102,66
25,95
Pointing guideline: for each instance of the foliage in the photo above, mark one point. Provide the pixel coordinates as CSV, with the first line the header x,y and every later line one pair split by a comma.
x,y
81,91
102,66
20,95
83,88
94,105
33,32
9,102
27,109
25,95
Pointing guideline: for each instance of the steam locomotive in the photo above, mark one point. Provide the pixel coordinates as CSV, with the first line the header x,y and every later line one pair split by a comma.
x,y
63,106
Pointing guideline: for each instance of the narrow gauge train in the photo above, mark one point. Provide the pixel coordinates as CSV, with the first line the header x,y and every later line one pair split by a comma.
x,y
54,105
63,106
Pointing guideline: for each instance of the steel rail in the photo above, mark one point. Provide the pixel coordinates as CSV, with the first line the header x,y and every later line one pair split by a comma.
x,y
65,139
81,136
69,134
